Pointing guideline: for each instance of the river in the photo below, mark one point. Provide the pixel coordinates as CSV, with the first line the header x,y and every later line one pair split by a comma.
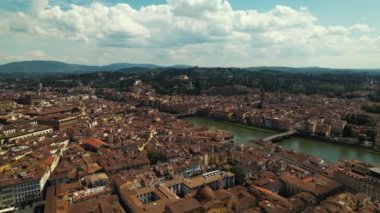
x,y
331,152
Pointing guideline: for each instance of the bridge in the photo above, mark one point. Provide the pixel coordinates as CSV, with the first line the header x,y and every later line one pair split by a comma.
x,y
183,115
280,135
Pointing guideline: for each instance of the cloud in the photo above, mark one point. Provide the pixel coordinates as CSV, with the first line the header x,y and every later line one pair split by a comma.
x,y
198,8
36,6
360,28
195,31
30,55
37,54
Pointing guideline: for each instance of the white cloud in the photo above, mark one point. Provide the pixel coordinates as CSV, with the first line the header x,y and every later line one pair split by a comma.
x,y
36,6
38,54
360,28
31,55
195,32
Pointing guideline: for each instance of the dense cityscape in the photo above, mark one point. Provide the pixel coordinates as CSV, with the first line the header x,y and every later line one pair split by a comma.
x,y
189,106
104,150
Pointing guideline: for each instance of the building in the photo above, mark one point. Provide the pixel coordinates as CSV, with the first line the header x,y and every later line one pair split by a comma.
x,y
93,144
176,192
377,138
204,200
98,179
146,199
6,104
310,126
20,131
323,129
30,100
215,180
337,126
58,122
345,202
23,180
365,180
73,198
320,186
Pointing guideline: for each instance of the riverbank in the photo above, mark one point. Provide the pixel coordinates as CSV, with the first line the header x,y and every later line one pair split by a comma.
x,y
273,131
269,131
242,134
329,151
337,142
332,152
234,123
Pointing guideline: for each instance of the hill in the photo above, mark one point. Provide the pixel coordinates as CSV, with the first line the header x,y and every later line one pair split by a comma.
x,y
45,67
60,67
309,70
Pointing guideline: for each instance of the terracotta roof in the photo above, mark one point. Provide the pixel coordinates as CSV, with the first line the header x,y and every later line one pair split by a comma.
x,y
205,194
48,161
94,142
184,205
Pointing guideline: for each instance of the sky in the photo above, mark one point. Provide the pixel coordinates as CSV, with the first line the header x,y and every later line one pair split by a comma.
x,y
226,33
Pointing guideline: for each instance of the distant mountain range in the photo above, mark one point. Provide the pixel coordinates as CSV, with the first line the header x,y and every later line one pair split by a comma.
x,y
60,67
39,67
308,69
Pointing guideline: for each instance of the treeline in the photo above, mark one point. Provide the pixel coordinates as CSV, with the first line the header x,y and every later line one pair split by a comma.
x,y
374,108
360,119
168,81
375,97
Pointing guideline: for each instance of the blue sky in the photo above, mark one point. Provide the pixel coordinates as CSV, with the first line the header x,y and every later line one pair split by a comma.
x,y
329,12
339,33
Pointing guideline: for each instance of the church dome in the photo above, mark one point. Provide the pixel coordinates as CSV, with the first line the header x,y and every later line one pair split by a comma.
x,y
205,194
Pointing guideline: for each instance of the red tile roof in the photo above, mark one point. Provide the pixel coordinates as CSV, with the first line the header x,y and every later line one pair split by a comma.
x,y
93,142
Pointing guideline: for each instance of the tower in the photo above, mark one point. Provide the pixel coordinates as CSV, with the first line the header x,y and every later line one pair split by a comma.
x,y
261,104
38,87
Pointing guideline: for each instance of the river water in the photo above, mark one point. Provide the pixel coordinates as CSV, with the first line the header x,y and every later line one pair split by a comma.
x,y
331,152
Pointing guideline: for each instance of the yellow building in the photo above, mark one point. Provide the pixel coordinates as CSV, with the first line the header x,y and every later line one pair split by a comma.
x,y
5,167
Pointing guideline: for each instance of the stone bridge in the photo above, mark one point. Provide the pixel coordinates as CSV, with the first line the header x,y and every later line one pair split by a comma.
x,y
280,135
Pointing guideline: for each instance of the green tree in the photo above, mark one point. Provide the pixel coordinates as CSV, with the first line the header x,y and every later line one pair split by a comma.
x,y
371,133
375,108
375,97
360,119
155,156
347,131
239,175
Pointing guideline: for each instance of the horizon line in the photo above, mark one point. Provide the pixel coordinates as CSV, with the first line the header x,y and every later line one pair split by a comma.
x,y
172,65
